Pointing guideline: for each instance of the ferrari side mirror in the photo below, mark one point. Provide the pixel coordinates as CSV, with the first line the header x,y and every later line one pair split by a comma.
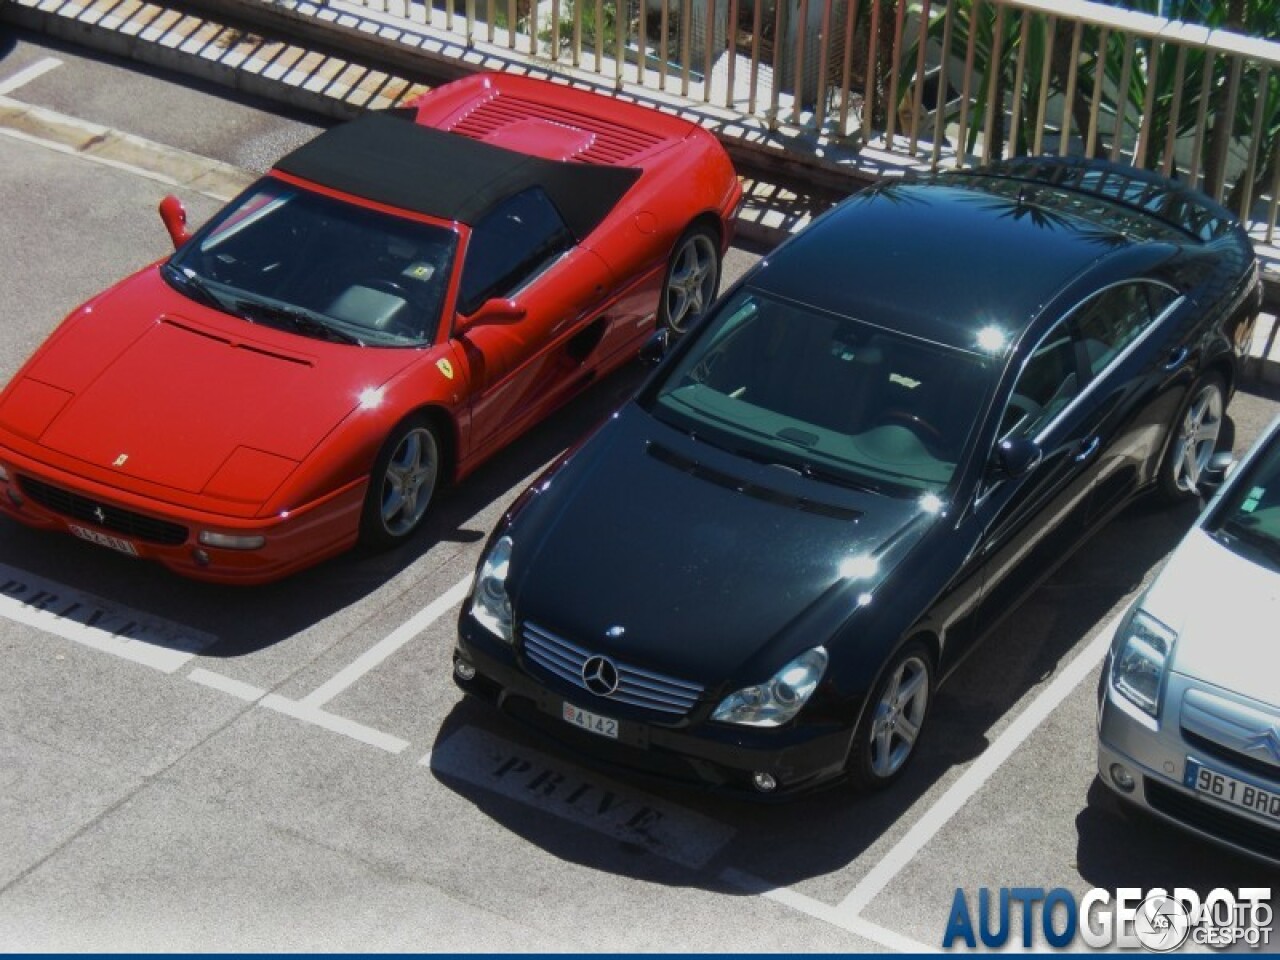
x,y
174,216
496,310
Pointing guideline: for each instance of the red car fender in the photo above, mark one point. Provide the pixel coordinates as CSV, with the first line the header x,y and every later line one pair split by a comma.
x,y
437,382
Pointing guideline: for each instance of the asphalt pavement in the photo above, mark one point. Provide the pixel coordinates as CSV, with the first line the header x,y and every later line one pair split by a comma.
x,y
291,768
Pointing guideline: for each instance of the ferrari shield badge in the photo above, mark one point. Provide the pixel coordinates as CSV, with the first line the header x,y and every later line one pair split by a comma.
x,y
445,367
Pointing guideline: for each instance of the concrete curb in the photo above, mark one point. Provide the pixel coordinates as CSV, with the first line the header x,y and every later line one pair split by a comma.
x,y
165,164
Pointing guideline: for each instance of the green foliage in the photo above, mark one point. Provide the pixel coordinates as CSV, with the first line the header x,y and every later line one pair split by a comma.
x,y
1119,91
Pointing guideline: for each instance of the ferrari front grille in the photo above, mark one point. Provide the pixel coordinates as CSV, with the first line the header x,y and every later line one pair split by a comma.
x,y
639,688
102,515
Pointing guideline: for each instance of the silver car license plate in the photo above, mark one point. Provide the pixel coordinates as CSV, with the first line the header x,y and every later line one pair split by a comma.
x,y
1223,787
103,539
591,722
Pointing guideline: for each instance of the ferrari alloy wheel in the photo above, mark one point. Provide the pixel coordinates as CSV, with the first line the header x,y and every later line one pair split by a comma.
x,y
693,276
890,729
1194,439
402,484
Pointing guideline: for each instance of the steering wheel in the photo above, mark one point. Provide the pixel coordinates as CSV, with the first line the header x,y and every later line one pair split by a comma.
x,y
916,424
392,287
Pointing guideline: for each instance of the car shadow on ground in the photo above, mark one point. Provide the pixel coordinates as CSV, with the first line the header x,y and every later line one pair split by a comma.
x,y
246,619
820,834
1122,846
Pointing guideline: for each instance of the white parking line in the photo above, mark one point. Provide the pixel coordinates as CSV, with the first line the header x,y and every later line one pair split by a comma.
x,y
825,912
27,74
236,688
389,644
333,723
100,624
973,779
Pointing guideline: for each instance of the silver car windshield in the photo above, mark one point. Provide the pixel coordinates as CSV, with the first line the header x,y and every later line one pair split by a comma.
x,y
826,394
319,267
1248,520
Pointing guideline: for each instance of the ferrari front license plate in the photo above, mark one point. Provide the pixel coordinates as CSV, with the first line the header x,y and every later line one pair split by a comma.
x,y
1229,790
591,722
103,539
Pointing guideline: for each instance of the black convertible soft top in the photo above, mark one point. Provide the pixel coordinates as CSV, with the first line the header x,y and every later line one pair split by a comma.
x,y
387,157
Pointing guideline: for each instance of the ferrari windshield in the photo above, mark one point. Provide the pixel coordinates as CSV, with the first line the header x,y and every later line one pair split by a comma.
x,y
320,267
826,395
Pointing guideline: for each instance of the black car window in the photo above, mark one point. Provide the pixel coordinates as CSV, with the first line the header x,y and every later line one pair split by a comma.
x,y
509,245
1049,381
1111,321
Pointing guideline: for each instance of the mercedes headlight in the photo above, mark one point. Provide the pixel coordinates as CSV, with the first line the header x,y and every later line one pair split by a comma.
x,y
1141,652
490,604
778,699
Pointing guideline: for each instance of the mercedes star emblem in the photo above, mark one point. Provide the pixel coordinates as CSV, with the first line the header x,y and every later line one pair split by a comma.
x,y
600,676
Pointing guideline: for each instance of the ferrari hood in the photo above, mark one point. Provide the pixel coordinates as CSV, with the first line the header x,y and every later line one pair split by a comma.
x,y
1222,641
669,554
166,391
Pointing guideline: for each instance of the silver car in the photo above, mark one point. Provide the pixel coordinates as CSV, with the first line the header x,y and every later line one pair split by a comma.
x,y
1189,704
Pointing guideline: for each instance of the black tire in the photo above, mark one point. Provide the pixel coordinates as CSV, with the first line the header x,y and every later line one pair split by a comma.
x,y
889,732
402,484
691,281
1199,422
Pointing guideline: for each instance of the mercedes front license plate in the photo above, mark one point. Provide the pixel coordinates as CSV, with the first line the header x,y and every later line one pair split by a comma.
x,y
591,722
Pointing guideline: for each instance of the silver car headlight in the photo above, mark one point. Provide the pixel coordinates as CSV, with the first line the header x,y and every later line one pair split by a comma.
x,y
1140,654
490,604
778,699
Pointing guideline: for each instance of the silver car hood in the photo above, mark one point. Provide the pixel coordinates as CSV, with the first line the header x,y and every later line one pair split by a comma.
x,y
1225,610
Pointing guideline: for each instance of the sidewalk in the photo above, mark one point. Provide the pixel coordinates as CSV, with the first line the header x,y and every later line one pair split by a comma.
x,y
788,176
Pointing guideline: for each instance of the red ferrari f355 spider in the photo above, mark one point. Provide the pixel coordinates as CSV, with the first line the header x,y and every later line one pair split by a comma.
x,y
394,302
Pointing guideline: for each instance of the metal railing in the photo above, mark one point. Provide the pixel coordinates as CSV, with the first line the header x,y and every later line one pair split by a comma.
x,y
927,83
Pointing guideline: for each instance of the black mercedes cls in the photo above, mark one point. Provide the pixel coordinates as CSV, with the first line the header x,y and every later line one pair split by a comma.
x,y
756,573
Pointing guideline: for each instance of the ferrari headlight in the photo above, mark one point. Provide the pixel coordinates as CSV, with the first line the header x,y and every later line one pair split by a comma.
x,y
229,541
777,700
490,604
1140,653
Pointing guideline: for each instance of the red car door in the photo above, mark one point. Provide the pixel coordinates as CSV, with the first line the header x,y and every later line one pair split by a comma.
x,y
527,302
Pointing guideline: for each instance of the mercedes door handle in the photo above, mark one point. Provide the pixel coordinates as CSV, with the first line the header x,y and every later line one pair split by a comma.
x,y
1176,358
1087,450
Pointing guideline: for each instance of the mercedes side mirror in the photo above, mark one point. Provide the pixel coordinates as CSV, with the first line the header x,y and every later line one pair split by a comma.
x,y
1016,457
655,348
